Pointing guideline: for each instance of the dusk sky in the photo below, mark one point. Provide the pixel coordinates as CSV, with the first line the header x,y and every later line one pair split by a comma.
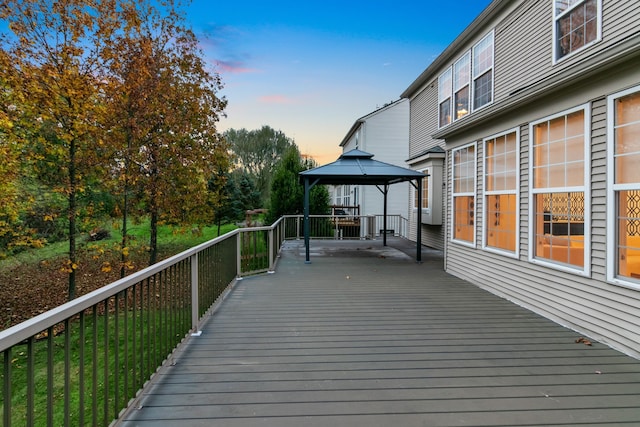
x,y
311,69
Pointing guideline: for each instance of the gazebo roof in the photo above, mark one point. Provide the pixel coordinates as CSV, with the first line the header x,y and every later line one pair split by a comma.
x,y
359,168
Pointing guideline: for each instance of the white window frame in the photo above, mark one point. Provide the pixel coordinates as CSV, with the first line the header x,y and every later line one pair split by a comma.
x,y
612,187
427,210
486,193
585,188
471,244
449,71
457,86
474,77
557,16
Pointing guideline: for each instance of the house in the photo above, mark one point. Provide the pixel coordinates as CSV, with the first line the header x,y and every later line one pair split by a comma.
x,y
385,134
531,121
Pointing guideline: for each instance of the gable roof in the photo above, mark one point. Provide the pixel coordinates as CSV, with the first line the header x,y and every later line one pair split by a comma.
x,y
359,168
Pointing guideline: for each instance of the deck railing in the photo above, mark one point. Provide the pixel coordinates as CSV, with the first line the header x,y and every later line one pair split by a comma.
x,y
346,226
83,363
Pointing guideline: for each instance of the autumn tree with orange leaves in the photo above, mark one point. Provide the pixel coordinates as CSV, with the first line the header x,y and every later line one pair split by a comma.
x,y
112,90
163,108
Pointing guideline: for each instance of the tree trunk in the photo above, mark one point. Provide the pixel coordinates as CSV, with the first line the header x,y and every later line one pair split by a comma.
x,y
153,241
71,294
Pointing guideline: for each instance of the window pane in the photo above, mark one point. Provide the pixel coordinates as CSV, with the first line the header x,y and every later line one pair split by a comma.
x,y
463,221
628,169
628,109
461,73
462,103
482,90
559,146
576,26
559,227
501,221
445,113
628,208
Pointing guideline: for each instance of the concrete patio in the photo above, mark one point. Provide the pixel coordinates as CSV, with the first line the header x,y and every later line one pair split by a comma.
x,y
365,336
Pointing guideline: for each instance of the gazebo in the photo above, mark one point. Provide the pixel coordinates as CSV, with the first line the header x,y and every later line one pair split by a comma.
x,y
357,167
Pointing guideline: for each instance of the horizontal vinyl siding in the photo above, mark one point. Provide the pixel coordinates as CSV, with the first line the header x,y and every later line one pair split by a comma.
x,y
598,310
602,311
524,42
598,188
522,47
620,17
424,120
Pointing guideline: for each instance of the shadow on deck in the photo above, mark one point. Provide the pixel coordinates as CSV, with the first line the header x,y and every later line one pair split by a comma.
x,y
365,336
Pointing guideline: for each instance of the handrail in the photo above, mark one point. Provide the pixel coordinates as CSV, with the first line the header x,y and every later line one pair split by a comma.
x,y
126,330
135,323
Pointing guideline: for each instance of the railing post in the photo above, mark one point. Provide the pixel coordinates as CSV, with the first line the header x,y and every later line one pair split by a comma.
x,y
271,251
239,255
298,227
195,306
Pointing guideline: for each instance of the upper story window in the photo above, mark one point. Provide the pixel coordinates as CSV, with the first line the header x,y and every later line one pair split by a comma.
x,y
483,72
468,84
444,98
461,75
577,23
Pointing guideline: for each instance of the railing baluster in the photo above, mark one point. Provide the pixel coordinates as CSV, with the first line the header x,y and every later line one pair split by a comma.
x,y
94,374
116,351
6,388
67,372
81,379
105,355
50,362
30,382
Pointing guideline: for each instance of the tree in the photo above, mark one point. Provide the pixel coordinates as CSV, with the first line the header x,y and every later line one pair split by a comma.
x,y
237,193
287,193
164,127
258,152
54,68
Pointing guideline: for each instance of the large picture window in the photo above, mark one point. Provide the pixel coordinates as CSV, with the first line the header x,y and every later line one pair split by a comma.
x,y
501,168
624,186
559,199
464,199
483,72
577,24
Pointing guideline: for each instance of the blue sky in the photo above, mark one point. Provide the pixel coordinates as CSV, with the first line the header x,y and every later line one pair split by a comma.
x,y
310,69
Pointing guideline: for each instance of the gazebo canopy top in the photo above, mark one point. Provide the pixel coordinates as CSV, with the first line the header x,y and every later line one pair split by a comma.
x,y
358,168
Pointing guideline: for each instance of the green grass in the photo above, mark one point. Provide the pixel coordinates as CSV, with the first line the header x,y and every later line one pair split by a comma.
x,y
158,329
177,238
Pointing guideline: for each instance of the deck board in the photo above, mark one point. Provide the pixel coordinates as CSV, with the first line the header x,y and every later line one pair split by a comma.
x,y
365,336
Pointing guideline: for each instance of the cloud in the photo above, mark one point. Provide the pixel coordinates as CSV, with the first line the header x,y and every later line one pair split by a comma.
x,y
276,99
233,67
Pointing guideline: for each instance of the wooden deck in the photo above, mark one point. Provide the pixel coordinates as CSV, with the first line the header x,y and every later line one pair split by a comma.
x,y
367,337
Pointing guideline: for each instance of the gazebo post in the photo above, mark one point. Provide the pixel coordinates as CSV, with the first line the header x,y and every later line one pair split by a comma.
x,y
419,223
306,221
384,216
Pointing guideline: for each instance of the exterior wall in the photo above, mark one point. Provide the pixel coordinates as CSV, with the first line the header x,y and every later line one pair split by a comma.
x,y
591,305
528,86
524,42
385,134
423,123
